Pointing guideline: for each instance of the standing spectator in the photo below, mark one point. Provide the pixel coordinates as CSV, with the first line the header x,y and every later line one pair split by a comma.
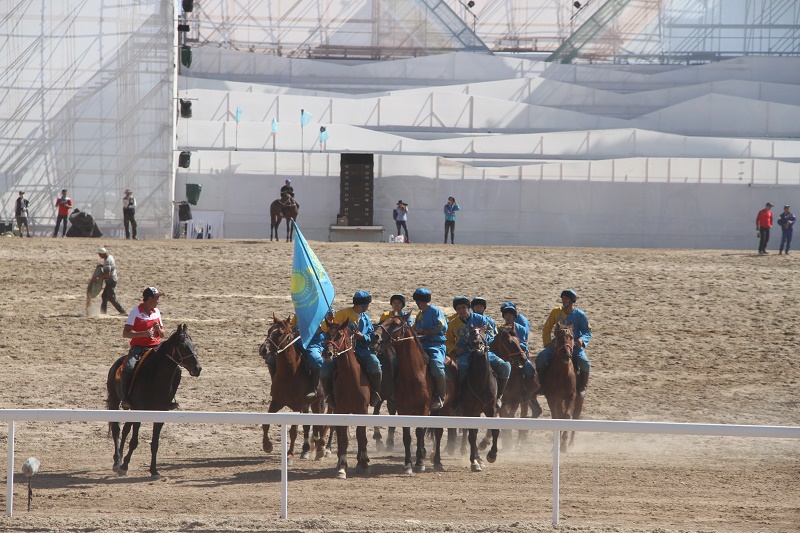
x,y
64,204
21,214
110,275
450,209
400,215
786,221
129,214
763,223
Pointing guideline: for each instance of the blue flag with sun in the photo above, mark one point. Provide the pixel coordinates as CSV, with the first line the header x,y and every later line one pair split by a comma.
x,y
312,289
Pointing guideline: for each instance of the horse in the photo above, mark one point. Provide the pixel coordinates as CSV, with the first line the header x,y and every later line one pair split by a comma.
x,y
559,382
507,347
414,388
157,377
280,210
479,396
289,386
387,395
351,392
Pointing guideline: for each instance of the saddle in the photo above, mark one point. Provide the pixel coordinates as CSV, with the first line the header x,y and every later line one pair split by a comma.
x,y
118,373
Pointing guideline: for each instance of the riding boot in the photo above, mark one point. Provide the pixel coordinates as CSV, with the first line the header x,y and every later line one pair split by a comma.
x,y
125,387
501,387
327,391
583,380
375,389
440,384
314,383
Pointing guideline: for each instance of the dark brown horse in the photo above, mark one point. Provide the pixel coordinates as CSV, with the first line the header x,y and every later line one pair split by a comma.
x,y
506,345
351,393
479,396
158,375
558,381
385,355
289,386
282,209
414,388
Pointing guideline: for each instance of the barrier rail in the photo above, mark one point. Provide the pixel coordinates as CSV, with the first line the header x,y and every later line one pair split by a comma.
x,y
287,419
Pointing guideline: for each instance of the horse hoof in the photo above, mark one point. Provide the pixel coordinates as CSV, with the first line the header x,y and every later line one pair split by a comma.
x,y
491,457
363,470
267,446
408,470
438,467
483,445
289,461
389,447
122,471
304,455
341,474
327,454
379,445
476,467
419,468
115,468
155,477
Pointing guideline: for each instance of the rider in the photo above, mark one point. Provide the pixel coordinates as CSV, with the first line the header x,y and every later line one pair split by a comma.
x,y
520,318
431,325
287,191
582,332
145,330
363,329
479,306
458,345
398,303
312,356
510,319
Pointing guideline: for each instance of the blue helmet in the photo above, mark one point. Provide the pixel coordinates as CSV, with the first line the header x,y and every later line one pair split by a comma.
x,y
460,300
478,300
422,295
507,305
399,297
362,298
570,294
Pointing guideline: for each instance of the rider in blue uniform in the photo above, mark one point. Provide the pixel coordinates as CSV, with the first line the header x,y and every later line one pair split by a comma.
x,y
519,317
312,356
458,345
478,305
431,325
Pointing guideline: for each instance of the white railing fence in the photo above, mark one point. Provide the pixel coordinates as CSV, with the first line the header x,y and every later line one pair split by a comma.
x,y
286,419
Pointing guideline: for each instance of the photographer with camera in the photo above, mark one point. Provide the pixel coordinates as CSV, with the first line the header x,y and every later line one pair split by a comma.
x,y
64,204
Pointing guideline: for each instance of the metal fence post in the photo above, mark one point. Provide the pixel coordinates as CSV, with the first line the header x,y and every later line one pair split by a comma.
x,y
10,473
556,474
284,472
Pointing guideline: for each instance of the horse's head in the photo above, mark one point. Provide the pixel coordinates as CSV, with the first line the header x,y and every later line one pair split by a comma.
x,y
279,338
564,340
339,340
181,350
477,341
506,345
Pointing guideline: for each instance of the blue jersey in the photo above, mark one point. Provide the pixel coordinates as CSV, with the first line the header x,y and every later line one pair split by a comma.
x,y
458,330
431,318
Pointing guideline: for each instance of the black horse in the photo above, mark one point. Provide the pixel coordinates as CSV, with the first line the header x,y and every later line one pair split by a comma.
x,y
157,378
479,396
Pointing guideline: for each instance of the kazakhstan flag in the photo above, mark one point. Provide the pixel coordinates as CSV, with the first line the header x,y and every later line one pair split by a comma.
x,y
312,290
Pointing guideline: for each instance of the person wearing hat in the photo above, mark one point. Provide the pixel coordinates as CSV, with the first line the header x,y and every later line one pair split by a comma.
x,y
478,305
576,318
400,215
431,326
287,193
458,331
450,209
359,319
786,221
519,318
145,330
109,274
21,213
763,223
64,204
398,303
129,213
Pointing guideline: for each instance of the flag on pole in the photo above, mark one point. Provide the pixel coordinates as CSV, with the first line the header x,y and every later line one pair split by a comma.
x,y
305,117
323,134
238,114
274,126
312,289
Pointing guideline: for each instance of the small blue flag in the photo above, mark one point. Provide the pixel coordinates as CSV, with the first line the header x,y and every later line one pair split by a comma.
x,y
239,114
323,136
305,117
274,126
312,289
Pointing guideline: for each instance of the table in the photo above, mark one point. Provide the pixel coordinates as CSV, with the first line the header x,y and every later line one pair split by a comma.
x,y
356,233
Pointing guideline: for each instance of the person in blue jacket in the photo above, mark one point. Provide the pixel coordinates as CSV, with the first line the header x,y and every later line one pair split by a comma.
x,y
431,326
312,356
458,345
479,305
450,209
519,318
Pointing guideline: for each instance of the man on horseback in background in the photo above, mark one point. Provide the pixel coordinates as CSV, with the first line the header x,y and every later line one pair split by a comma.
x,y
398,303
145,330
576,318
431,326
362,332
287,194
479,306
458,345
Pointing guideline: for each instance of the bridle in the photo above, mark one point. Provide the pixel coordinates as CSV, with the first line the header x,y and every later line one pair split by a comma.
x,y
182,357
519,355
402,326
340,348
286,335
563,343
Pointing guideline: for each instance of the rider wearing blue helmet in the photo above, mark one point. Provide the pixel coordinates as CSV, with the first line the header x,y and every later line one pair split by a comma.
x,y
431,325
478,305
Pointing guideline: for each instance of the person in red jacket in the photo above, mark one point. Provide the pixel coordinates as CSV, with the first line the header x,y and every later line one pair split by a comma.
x,y
763,223
64,204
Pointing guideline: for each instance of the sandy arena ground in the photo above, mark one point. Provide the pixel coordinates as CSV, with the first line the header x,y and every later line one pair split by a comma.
x,y
703,336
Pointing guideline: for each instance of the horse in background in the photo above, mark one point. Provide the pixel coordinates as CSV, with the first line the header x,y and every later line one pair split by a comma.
x,y
157,377
289,386
479,396
559,383
280,209
385,356
351,394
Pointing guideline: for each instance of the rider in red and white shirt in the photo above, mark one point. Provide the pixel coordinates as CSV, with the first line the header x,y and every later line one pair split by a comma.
x,y
145,330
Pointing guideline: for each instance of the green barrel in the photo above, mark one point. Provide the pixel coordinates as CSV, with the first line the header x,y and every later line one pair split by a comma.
x,y
193,192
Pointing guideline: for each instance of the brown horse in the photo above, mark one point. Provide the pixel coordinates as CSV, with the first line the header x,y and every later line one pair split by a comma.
x,y
289,386
479,396
156,380
414,388
351,392
558,381
506,345
385,355
282,209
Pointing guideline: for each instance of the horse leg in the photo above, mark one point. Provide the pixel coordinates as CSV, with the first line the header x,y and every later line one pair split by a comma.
x,y
376,432
266,444
114,426
421,452
522,436
126,429
363,459
464,440
474,458
407,444
492,455
452,436
392,408
154,475
305,453
484,443
341,452
329,445
576,414
437,449
290,449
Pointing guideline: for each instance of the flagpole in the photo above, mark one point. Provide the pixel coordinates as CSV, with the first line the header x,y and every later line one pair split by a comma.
x,y
308,258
